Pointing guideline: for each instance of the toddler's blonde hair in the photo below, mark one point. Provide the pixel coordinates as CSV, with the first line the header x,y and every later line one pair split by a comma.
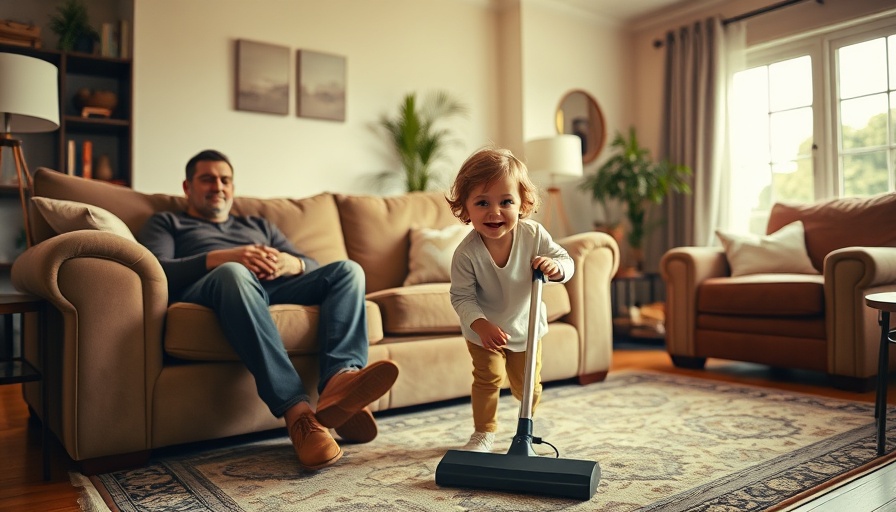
x,y
484,167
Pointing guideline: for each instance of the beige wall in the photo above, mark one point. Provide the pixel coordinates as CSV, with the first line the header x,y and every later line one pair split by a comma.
x,y
184,72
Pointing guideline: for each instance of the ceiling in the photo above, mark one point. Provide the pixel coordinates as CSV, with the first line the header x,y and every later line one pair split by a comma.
x,y
624,11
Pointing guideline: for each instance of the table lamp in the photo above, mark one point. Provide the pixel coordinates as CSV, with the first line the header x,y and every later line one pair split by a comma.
x,y
557,158
29,103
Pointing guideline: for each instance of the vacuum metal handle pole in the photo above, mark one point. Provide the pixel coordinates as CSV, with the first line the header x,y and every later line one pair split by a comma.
x,y
522,441
532,341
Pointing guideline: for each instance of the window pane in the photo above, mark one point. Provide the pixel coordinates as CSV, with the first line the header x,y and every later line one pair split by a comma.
x,y
864,121
862,68
893,117
865,173
790,83
793,181
791,134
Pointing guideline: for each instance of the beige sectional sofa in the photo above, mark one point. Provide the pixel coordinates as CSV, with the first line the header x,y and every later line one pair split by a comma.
x,y
128,372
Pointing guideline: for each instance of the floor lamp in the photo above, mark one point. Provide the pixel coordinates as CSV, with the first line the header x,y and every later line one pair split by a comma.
x,y
557,158
29,103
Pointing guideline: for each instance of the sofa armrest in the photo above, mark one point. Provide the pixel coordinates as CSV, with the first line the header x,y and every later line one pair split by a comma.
x,y
852,327
109,298
596,257
683,269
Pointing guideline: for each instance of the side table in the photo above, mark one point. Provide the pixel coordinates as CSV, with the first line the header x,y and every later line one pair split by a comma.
x,y
17,369
885,303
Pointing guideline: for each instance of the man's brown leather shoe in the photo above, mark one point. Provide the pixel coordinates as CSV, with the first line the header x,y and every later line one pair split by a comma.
x,y
348,392
315,447
360,428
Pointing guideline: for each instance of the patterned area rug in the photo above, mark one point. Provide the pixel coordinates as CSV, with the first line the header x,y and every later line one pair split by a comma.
x,y
663,442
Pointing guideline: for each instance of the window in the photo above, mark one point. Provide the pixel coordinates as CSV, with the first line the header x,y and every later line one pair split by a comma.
x,y
794,142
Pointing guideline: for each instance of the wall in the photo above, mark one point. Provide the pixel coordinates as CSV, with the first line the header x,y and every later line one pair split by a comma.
x,y
184,73
562,50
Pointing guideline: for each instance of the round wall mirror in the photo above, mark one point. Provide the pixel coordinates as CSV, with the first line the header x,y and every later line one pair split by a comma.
x,y
578,114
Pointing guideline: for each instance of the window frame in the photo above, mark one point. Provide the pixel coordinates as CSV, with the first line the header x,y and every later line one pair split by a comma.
x,y
821,46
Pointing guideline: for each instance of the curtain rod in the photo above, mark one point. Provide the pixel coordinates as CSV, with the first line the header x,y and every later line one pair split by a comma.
x,y
756,12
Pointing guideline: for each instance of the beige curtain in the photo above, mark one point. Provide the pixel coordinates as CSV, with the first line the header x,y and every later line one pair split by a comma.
x,y
700,59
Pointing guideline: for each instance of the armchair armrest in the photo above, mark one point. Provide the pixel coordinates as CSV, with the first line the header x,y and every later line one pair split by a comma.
x,y
109,298
596,257
683,269
852,327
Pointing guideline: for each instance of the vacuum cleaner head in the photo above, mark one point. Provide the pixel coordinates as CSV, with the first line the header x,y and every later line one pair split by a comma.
x,y
567,478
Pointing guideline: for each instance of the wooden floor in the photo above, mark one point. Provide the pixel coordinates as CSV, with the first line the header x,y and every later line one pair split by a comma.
x,y
22,487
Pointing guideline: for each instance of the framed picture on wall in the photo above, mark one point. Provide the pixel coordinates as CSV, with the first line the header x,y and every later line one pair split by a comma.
x,y
262,77
321,90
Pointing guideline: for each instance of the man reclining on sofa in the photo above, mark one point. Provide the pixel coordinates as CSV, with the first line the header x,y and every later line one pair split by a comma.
x,y
238,266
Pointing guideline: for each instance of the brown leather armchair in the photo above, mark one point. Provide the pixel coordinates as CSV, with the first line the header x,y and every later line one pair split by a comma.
x,y
806,321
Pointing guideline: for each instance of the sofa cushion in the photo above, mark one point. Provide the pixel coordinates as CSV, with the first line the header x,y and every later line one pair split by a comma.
x,y
192,331
839,223
311,223
64,216
783,251
377,231
426,308
762,295
431,252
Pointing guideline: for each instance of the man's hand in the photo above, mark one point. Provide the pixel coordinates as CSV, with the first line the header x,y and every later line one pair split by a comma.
x,y
492,336
548,267
265,262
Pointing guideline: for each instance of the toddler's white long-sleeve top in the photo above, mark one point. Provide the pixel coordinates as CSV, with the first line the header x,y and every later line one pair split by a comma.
x,y
501,295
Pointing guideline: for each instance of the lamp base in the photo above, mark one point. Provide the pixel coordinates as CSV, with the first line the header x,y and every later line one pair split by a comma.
x,y
555,200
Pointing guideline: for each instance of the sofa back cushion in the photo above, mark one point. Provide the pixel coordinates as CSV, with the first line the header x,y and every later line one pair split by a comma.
x,y
839,223
377,231
311,224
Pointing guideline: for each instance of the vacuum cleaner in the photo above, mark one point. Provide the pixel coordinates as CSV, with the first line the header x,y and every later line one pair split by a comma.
x,y
521,469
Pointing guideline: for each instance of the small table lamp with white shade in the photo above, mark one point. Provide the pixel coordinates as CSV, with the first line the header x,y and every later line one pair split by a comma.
x,y
29,103
558,159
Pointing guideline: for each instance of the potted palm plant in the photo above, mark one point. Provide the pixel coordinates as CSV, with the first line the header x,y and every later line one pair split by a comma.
x,y
418,141
632,178
72,26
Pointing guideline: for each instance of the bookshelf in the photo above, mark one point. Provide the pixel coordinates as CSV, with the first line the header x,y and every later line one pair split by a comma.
x,y
110,137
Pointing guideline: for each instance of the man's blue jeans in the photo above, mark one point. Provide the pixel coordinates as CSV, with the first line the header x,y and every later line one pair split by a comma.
x,y
240,302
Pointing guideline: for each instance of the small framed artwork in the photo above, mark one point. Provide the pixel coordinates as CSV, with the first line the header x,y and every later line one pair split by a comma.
x,y
262,77
321,90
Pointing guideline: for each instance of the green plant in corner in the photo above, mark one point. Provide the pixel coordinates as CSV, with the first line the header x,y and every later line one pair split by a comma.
x,y
417,140
72,26
631,177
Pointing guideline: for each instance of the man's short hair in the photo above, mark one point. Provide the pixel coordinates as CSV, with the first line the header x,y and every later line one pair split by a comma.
x,y
208,155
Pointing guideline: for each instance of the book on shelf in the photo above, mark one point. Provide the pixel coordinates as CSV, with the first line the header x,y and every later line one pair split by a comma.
x,y
28,43
124,39
10,28
71,166
19,34
108,40
87,159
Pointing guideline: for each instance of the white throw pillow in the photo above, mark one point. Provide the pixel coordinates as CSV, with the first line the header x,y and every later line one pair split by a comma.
x,y
64,216
431,252
782,252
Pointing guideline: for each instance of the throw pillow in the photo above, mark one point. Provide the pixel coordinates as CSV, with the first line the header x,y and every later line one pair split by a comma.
x,y
431,251
783,251
64,216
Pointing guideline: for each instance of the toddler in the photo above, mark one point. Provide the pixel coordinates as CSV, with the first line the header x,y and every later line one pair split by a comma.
x,y
491,279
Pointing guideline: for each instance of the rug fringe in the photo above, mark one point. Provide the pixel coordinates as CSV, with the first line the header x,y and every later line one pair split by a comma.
x,y
90,499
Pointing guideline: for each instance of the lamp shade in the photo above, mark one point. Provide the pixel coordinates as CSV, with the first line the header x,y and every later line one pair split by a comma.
x,y
29,94
555,156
